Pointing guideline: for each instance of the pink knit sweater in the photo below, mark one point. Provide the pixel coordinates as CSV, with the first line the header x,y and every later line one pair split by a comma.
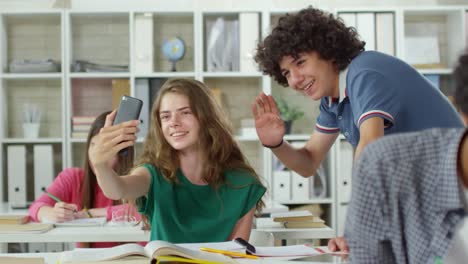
x,y
66,187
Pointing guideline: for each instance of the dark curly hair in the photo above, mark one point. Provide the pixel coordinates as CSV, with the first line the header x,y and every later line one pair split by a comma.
x,y
308,30
461,80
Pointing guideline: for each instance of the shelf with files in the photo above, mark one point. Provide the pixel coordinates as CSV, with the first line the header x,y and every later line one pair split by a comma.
x,y
32,114
23,163
31,85
291,189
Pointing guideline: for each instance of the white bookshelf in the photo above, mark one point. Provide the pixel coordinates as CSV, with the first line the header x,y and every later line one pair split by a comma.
x,y
105,34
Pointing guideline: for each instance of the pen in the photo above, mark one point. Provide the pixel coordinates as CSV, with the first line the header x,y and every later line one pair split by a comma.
x,y
249,248
56,199
229,253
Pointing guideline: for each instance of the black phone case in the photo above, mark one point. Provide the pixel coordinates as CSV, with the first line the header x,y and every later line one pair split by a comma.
x,y
129,109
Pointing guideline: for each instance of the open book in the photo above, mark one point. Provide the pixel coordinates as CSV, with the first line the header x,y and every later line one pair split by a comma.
x,y
156,249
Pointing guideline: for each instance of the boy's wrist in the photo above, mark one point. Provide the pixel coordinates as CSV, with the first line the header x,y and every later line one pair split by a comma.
x,y
274,146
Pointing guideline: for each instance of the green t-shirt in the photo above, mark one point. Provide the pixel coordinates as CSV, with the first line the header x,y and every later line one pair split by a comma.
x,y
187,213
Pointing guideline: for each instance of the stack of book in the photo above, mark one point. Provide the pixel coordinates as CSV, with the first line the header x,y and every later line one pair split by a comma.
x,y
20,224
81,126
298,219
8,219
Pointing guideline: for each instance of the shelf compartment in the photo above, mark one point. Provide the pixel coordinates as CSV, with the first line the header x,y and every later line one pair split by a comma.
x,y
100,38
30,179
46,94
170,25
32,37
236,95
232,47
305,124
439,29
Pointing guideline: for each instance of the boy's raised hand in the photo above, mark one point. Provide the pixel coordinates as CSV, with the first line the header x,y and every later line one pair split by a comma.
x,y
111,139
268,122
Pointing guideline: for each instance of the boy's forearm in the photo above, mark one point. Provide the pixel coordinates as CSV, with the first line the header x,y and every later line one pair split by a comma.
x,y
298,160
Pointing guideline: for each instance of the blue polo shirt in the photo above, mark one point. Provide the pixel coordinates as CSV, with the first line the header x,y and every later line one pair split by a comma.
x,y
376,84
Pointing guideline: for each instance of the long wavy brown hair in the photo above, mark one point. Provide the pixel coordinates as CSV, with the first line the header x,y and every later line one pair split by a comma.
x,y
219,150
122,167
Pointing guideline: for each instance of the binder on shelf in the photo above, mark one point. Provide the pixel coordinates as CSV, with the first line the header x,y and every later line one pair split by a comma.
x,y
318,184
365,24
120,87
249,35
143,48
142,92
300,187
345,157
36,247
54,247
349,19
16,156
43,168
341,210
282,185
385,32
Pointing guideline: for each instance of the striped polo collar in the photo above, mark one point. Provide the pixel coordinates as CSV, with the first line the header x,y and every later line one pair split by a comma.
x,y
342,87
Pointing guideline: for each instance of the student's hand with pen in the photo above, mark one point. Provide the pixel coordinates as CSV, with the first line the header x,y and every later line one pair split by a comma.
x,y
62,212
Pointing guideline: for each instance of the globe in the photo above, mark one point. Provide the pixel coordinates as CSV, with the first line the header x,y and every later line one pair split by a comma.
x,y
173,49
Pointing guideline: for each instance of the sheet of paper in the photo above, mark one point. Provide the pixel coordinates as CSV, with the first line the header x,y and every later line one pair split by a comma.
x,y
228,245
290,251
95,221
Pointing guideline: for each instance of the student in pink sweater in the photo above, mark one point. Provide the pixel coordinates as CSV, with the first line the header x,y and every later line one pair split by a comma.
x,y
80,193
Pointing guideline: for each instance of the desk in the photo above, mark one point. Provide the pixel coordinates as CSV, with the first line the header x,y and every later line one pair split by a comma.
x,y
106,233
51,258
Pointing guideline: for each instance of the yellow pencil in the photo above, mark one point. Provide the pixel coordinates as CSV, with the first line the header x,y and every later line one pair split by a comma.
x,y
229,253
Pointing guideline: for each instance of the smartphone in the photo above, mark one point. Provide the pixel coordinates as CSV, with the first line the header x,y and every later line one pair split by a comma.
x,y
129,109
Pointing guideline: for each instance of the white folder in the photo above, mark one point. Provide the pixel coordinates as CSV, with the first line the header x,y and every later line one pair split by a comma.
x,y
365,23
349,19
16,156
36,247
54,247
43,168
341,210
300,187
143,48
345,158
282,185
142,92
249,34
385,33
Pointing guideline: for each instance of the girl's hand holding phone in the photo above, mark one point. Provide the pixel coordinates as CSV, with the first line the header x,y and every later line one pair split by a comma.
x,y
111,139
